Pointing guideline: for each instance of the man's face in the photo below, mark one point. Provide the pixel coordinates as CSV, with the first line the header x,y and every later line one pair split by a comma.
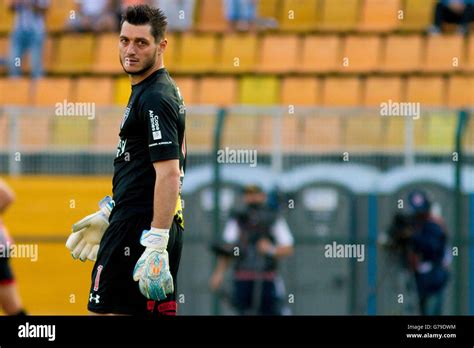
x,y
255,198
138,50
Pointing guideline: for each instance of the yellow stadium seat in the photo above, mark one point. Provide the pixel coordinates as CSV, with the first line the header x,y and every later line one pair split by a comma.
x,y
59,90
4,131
268,8
291,131
299,15
321,54
363,132
59,13
362,53
279,54
394,134
342,92
259,90
441,132
300,91
106,130
265,132
199,132
48,52
123,89
187,88
470,55
240,131
238,53
429,91
85,90
380,15
72,132
35,131
339,15
219,91
6,17
322,134
15,91
197,53
382,89
74,53
461,91
211,16
402,54
106,57
444,53
417,14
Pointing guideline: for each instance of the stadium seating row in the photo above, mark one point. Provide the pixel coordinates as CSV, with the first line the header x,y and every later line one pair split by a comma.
x,y
435,91
318,132
272,53
292,15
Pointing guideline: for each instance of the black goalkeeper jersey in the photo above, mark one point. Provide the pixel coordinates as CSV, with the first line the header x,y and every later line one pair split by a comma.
x,y
152,130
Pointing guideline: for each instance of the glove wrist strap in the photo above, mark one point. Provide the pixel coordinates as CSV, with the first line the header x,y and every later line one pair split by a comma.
x,y
155,238
106,205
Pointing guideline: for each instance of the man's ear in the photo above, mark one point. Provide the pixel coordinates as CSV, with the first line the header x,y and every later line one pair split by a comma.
x,y
162,46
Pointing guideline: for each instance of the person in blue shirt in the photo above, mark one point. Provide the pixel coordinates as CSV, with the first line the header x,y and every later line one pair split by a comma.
x,y
428,254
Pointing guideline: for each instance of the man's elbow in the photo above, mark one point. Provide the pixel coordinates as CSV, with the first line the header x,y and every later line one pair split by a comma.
x,y
7,198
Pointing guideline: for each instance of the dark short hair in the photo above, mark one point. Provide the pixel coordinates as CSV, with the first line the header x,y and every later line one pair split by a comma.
x,y
144,14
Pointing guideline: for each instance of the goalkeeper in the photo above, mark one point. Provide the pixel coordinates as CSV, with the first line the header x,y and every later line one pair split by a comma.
x,y
136,237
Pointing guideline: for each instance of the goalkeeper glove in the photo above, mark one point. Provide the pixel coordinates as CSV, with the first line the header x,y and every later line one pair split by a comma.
x,y
86,234
152,269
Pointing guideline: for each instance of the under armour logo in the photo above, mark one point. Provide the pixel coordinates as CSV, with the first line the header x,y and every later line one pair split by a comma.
x,y
96,298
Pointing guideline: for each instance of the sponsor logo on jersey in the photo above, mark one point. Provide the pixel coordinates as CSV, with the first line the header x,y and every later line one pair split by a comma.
x,y
155,125
125,116
121,147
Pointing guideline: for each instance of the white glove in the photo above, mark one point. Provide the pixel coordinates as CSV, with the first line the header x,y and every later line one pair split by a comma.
x,y
86,234
152,270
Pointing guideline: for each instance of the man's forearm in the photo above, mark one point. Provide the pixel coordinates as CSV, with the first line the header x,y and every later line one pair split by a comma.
x,y
166,196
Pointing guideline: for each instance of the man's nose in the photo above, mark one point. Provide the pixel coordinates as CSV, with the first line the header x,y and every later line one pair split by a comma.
x,y
130,49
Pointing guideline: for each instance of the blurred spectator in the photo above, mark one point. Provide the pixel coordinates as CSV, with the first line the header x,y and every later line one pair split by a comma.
x,y
9,298
94,15
180,13
28,35
459,12
261,237
241,14
428,254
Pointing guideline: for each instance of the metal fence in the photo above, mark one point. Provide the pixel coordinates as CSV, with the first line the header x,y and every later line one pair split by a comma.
x,y
344,170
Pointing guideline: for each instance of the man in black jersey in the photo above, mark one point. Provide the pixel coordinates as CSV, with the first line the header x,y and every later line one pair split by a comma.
x,y
140,229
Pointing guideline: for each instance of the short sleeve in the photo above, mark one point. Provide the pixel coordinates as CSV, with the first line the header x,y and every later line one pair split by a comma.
x,y
161,114
231,232
281,233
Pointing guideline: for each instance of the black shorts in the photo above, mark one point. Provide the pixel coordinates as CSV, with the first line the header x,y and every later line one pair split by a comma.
x,y
6,275
113,289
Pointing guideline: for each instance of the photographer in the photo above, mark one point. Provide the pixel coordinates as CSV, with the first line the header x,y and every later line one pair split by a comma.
x,y
261,238
421,240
